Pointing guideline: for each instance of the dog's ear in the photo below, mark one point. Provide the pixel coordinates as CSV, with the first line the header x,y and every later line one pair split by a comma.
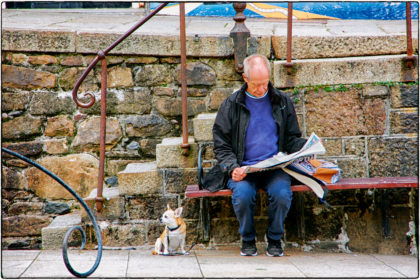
x,y
169,207
178,212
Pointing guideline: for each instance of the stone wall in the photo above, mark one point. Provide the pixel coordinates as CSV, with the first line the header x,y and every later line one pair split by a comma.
x,y
369,128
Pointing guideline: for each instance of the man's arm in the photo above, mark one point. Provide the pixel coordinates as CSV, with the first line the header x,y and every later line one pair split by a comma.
x,y
222,136
293,141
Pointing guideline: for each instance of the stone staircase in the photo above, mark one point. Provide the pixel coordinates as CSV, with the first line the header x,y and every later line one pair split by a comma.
x,y
132,209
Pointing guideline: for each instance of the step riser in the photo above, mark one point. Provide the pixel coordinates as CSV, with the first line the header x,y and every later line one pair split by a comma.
x,y
169,154
307,47
53,235
113,205
203,125
335,71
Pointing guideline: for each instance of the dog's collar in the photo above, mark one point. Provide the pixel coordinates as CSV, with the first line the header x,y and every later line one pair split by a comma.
x,y
172,229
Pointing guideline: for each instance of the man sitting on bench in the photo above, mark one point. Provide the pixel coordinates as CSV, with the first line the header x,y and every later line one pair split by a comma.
x,y
253,124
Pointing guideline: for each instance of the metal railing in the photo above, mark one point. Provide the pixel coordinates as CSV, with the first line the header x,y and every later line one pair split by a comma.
x,y
409,60
102,57
70,231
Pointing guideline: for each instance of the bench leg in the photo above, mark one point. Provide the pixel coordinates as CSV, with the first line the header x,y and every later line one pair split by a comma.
x,y
300,215
385,213
205,218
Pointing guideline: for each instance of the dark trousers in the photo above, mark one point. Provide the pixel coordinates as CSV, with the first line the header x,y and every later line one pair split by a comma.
x,y
276,183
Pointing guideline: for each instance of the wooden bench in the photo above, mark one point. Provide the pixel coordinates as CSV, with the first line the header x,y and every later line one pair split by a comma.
x,y
193,191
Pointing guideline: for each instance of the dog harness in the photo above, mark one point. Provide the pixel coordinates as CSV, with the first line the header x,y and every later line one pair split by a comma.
x,y
171,229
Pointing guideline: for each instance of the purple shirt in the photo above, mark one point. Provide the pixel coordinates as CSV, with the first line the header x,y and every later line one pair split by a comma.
x,y
261,140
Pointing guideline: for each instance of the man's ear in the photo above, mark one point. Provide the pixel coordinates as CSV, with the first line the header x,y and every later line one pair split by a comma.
x,y
244,77
178,212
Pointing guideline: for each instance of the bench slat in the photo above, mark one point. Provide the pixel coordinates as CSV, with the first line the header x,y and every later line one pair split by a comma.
x,y
193,191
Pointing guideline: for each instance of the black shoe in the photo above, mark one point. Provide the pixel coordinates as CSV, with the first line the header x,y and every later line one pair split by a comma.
x,y
249,248
274,248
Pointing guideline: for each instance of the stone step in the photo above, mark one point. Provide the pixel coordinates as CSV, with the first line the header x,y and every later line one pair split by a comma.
x,y
203,125
310,42
113,205
348,70
113,234
140,178
53,235
169,153
122,236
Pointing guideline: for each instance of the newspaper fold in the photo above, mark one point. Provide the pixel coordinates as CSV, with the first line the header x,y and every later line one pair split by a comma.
x,y
313,146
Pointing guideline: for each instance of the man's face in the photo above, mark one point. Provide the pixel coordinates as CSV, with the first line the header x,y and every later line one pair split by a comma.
x,y
257,81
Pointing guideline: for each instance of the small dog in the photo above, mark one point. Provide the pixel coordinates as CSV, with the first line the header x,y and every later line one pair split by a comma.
x,y
173,237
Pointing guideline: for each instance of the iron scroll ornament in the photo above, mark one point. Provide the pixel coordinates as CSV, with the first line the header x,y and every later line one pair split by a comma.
x,y
70,231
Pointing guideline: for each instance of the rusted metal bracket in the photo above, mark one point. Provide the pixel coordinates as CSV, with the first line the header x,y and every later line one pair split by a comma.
x,y
240,34
409,68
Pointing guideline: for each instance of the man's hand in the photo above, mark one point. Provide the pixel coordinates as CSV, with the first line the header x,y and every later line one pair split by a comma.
x,y
308,158
238,174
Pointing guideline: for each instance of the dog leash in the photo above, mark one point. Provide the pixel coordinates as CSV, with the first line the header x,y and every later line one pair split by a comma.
x,y
171,229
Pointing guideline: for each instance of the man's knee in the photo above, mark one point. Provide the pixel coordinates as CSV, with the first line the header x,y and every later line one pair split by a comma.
x,y
281,196
243,194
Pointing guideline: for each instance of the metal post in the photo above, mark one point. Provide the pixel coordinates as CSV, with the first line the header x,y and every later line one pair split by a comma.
x,y
147,8
205,218
185,146
408,23
410,59
289,63
300,217
240,34
385,206
99,198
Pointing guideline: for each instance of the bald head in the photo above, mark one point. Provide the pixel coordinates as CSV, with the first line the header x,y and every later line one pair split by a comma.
x,y
256,63
256,74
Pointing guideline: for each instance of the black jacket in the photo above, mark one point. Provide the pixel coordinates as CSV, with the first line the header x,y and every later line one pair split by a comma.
x,y
232,120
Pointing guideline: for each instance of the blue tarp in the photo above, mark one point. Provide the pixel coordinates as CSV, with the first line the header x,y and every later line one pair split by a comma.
x,y
340,10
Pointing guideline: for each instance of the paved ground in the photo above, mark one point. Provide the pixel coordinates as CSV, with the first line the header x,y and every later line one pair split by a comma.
x,y
203,263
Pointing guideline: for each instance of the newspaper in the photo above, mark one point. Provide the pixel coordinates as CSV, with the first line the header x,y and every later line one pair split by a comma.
x,y
312,147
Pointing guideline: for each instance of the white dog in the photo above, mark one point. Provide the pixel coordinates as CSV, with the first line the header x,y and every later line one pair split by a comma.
x,y
173,237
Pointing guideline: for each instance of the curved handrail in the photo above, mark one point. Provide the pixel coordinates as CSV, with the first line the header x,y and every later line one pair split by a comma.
x,y
101,55
80,81
68,233
200,168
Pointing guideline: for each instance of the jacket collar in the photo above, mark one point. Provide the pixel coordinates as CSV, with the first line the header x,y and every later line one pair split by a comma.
x,y
274,95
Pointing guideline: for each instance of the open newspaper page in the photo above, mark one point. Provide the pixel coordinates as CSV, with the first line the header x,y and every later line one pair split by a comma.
x,y
313,146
